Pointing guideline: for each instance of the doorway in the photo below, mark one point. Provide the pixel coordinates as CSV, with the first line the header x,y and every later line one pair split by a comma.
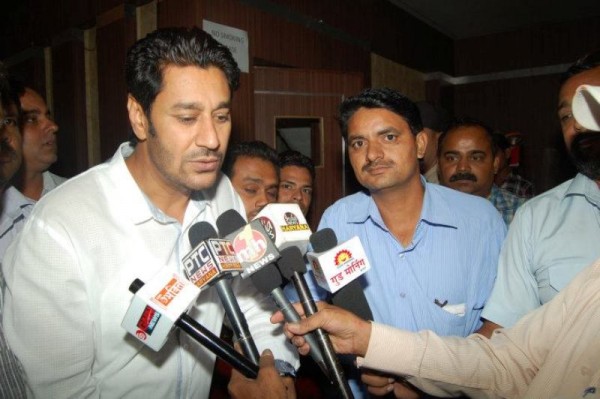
x,y
297,109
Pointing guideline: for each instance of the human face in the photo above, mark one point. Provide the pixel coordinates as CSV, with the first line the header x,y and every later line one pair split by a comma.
x,y
295,186
583,145
570,127
186,137
256,181
382,149
10,144
39,133
466,162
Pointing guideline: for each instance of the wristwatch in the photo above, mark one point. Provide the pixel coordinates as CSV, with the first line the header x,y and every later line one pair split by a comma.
x,y
285,369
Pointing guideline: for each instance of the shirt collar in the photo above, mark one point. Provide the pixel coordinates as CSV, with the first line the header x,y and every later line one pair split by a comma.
x,y
583,185
435,211
138,206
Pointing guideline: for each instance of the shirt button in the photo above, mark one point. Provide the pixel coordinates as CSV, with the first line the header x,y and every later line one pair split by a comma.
x,y
402,295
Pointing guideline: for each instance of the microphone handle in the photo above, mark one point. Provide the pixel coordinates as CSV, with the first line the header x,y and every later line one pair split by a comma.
x,y
336,373
237,319
217,346
308,303
291,315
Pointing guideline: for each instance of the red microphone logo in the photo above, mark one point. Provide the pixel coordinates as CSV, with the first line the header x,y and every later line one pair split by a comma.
x,y
250,245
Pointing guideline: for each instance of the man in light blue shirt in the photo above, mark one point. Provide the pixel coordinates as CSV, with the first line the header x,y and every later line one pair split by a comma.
x,y
433,251
556,234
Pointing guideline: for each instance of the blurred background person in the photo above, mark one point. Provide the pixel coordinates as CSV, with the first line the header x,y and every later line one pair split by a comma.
x,y
253,168
296,179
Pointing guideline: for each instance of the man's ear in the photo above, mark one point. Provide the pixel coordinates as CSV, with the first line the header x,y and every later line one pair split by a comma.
x,y
421,140
137,118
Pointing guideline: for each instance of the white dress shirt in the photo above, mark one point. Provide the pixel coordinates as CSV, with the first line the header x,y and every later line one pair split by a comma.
x,y
16,208
67,279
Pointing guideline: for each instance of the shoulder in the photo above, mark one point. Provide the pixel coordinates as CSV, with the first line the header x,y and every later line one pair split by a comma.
x,y
349,204
547,201
460,203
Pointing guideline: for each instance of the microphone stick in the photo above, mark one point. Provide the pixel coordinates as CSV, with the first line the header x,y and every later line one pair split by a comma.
x,y
202,231
268,281
292,267
212,342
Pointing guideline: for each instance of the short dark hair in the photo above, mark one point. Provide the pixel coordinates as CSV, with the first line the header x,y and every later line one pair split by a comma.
x,y
585,63
387,98
148,57
296,158
468,122
251,149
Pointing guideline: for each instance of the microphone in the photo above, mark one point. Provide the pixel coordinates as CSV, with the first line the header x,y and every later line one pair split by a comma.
x,y
334,266
268,281
286,225
213,261
350,295
257,254
251,243
161,304
293,268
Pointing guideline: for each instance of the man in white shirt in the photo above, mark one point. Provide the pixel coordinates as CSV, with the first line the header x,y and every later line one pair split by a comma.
x,y
33,179
68,273
11,155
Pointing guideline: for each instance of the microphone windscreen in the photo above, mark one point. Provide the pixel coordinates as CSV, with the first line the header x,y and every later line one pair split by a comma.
x,y
352,298
230,221
291,261
266,279
201,231
323,240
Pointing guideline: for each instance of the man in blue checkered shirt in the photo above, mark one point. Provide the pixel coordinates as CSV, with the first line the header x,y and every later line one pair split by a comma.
x,y
468,160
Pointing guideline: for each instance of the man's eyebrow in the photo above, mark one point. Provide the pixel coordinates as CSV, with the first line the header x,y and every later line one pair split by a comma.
x,y
252,179
454,152
199,107
386,131
563,104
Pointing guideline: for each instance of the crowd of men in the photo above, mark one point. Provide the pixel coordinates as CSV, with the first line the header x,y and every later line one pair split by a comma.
x,y
462,261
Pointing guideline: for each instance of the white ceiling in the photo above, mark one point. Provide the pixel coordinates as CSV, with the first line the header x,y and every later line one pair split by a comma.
x,y
460,19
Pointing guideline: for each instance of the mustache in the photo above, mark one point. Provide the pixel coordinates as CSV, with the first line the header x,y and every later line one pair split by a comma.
x,y
463,176
204,152
374,164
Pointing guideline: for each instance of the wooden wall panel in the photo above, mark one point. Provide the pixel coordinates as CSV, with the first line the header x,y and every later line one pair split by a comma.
x,y
551,44
70,107
382,28
114,35
294,93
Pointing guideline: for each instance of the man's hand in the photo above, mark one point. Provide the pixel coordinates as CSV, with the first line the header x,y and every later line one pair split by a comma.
x,y
268,385
349,333
379,384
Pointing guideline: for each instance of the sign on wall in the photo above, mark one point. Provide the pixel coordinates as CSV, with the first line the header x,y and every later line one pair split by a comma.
x,y
235,39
